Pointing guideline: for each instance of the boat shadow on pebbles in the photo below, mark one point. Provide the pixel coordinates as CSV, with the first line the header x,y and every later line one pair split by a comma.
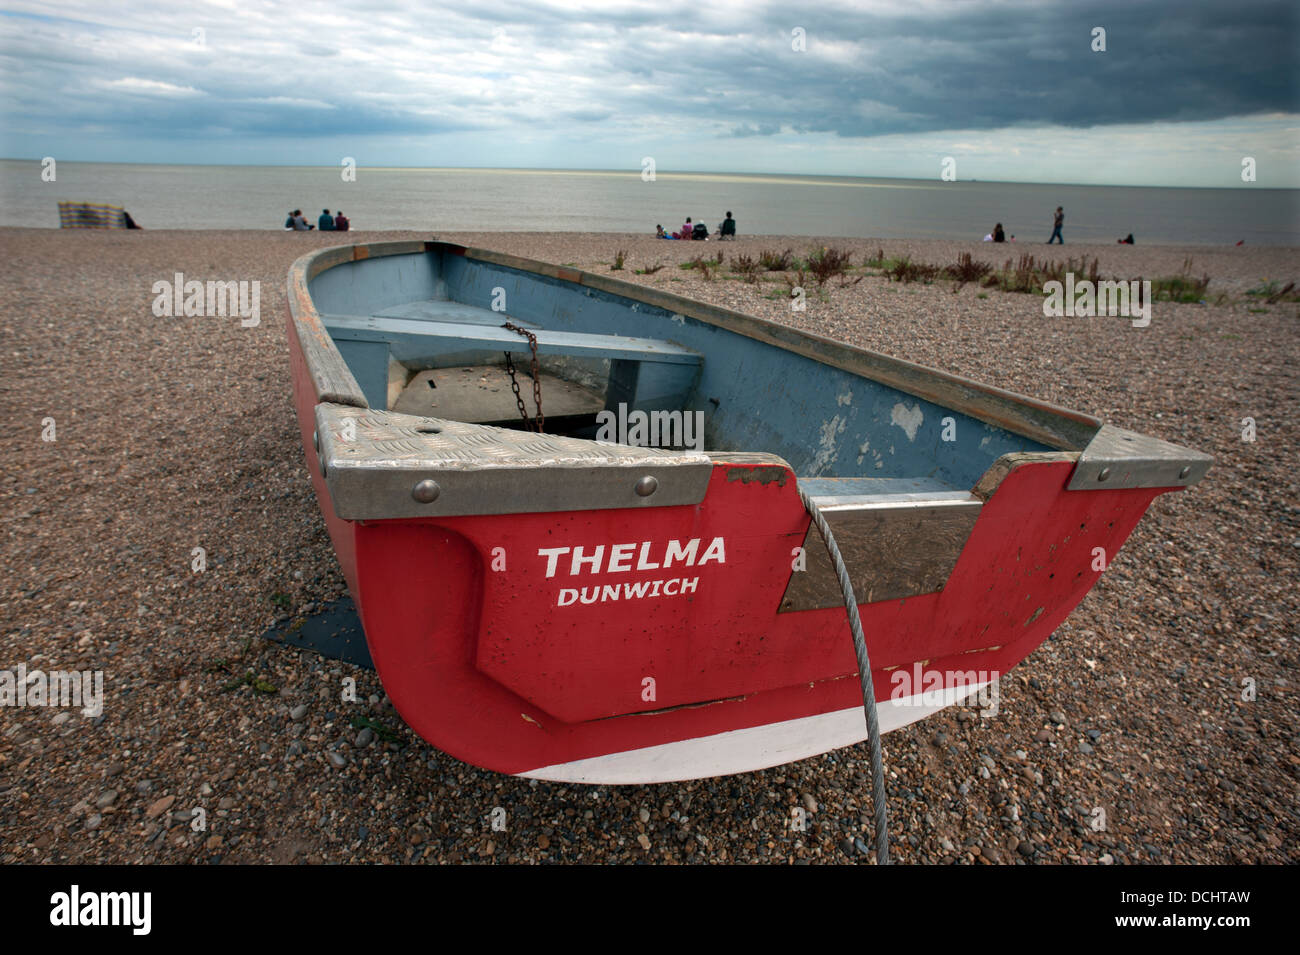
x,y
334,632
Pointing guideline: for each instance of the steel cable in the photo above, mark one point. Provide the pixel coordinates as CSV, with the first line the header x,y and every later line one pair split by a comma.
x,y
864,677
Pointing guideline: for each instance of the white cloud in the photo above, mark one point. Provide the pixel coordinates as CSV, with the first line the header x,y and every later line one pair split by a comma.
x,y
134,84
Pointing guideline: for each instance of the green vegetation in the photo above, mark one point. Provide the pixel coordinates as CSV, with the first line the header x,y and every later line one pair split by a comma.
x,y
776,261
747,268
706,267
1182,287
826,263
878,261
258,684
967,270
1272,293
906,271
385,733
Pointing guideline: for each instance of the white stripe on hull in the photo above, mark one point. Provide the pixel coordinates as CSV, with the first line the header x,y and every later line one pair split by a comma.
x,y
745,750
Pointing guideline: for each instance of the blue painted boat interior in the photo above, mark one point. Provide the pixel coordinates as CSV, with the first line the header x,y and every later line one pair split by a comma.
x,y
434,310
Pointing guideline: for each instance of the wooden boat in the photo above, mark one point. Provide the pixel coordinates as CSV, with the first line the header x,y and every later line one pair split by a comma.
x,y
556,606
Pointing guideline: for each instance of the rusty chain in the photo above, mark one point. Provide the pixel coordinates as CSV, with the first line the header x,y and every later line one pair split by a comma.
x,y
539,422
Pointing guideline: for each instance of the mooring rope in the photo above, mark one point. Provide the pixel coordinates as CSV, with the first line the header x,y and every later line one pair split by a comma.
x,y
864,677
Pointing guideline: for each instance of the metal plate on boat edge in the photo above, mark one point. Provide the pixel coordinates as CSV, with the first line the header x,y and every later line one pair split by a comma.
x,y
892,548
373,461
1116,458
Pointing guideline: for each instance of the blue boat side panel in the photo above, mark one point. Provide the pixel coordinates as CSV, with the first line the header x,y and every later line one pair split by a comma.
x,y
825,421
650,386
370,285
369,364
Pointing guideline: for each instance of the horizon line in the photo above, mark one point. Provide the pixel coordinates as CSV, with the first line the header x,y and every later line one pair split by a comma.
x,y
637,173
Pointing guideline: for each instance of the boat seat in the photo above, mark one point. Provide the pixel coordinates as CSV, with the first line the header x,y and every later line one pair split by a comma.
x,y
645,373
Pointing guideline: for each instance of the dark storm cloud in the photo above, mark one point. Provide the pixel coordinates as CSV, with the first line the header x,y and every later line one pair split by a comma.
x,y
981,66
409,69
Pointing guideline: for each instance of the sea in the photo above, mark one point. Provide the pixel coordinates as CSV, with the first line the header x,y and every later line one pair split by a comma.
x,y
547,200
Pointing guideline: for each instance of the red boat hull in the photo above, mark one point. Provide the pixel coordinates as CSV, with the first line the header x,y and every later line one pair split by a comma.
x,y
605,646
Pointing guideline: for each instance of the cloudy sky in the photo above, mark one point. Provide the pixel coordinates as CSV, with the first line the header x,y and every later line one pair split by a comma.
x,y
1011,90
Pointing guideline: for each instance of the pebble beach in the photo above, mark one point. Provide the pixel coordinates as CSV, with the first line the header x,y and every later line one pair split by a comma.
x,y
1168,700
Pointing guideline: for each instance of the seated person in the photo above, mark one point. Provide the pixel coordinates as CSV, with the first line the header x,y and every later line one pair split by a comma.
x,y
660,233
687,229
341,222
326,221
300,222
728,228
1129,240
998,234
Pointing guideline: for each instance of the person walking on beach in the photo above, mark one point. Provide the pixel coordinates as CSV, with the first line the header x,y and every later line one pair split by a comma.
x,y
1057,222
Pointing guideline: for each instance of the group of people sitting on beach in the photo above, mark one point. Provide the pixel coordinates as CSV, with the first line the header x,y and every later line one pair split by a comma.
x,y
327,223
698,230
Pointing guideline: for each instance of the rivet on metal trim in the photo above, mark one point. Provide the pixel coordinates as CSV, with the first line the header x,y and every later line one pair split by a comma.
x,y
1103,474
426,492
647,486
